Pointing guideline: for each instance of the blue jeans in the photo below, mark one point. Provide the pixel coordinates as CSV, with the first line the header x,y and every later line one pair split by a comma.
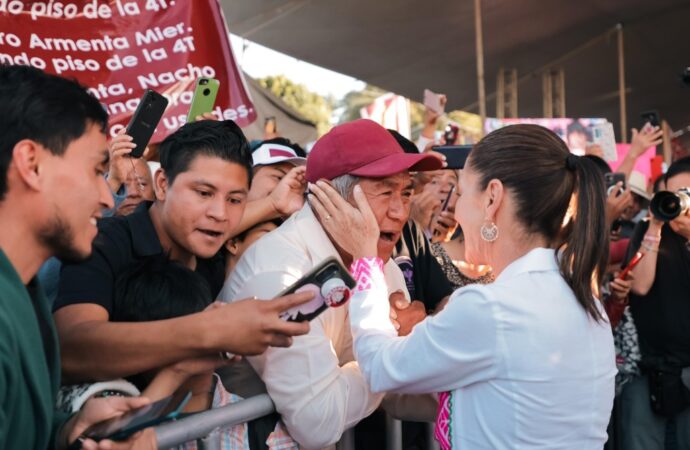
x,y
641,428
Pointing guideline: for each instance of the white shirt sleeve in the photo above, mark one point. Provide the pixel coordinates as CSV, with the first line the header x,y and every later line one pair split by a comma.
x,y
455,348
317,399
422,142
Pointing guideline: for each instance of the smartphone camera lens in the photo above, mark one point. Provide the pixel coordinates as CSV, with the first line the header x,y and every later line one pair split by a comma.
x,y
203,81
207,91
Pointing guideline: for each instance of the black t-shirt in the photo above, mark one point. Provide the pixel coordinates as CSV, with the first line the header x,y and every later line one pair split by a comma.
x,y
121,242
662,316
423,274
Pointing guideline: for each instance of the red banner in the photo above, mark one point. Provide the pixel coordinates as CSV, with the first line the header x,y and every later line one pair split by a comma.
x,y
120,48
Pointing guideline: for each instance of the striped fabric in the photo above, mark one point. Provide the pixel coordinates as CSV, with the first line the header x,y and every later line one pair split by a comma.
x,y
442,429
280,439
361,271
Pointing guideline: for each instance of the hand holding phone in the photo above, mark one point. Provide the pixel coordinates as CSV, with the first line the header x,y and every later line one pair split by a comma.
x,y
145,120
456,155
650,119
612,179
434,101
631,265
446,202
331,284
270,125
204,98
121,428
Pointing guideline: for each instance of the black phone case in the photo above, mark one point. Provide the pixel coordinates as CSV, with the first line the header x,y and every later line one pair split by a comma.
x,y
612,178
328,269
145,120
121,428
456,155
651,117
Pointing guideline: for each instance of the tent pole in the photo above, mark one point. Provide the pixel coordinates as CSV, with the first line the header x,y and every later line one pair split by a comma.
x,y
558,61
621,86
480,61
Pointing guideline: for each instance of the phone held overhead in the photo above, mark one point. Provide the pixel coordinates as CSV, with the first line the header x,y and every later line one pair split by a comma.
x,y
204,98
456,155
145,120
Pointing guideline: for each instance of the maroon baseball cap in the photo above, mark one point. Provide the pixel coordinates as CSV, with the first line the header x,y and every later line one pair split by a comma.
x,y
363,148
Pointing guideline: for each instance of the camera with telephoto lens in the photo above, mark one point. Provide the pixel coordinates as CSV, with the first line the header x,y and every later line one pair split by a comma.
x,y
667,205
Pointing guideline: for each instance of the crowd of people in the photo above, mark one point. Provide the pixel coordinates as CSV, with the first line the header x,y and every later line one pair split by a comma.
x,y
491,300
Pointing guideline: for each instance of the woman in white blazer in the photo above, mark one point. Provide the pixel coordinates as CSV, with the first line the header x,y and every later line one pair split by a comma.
x,y
528,361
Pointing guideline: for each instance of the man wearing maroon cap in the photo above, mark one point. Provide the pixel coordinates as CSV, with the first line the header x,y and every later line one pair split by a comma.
x,y
316,385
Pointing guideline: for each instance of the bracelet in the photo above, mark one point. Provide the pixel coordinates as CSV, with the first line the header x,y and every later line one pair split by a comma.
x,y
651,238
649,248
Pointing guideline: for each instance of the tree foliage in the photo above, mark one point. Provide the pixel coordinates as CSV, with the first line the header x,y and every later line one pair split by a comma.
x,y
312,106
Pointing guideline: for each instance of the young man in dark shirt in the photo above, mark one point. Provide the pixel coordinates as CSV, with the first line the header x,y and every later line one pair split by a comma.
x,y
201,192
52,158
660,306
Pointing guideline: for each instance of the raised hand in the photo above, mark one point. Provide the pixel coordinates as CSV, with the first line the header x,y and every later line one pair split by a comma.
x,y
119,148
250,326
642,140
424,205
616,202
443,226
354,228
288,195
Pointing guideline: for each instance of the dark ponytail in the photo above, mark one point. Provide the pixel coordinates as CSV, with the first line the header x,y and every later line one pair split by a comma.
x,y
537,167
585,251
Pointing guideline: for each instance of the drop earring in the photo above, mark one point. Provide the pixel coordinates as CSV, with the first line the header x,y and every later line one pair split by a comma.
x,y
489,231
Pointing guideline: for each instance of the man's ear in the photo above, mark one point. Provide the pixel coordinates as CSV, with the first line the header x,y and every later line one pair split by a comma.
x,y
495,193
160,184
232,247
27,159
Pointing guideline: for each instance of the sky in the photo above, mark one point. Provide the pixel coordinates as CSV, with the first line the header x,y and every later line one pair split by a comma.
x,y
259,61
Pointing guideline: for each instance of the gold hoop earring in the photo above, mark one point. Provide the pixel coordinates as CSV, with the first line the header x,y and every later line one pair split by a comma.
x,y
489,233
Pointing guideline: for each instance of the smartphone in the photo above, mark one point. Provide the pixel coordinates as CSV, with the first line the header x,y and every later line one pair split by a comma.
x,y
633,262
204,97
456,155
446,202
332,285
433,101
651,118
444,207
451,134
145,120
611,179
270,125
121,428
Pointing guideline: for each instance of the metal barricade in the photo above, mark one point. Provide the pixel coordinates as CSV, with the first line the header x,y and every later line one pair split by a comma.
x,y
205,425
202,424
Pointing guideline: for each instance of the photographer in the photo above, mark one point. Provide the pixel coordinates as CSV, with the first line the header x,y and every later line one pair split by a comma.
x,y
661,311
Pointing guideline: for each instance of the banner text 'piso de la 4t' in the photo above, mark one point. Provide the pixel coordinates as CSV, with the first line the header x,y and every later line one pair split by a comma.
x,y
121,48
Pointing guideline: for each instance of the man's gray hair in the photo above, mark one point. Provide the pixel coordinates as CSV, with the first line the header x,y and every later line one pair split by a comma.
x,y
345,184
